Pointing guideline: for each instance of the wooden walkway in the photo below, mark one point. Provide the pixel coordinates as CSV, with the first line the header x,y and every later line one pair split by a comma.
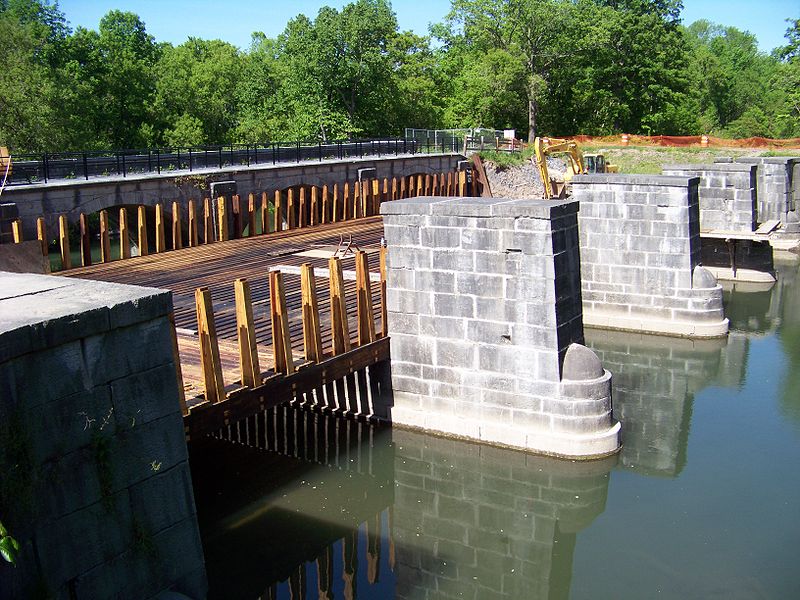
x,y
216,266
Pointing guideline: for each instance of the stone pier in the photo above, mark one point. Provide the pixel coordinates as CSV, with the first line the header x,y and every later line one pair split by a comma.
x,y
640,256
726,192
777,188
94,475
485,318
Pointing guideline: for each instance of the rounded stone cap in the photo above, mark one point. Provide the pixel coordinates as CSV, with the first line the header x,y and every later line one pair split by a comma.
x,y
581,364
703,279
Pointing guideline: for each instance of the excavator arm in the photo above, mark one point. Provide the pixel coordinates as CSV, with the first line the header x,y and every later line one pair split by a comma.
x,y
542,147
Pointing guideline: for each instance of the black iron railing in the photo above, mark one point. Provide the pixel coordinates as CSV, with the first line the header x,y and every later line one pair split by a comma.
x,y
59,166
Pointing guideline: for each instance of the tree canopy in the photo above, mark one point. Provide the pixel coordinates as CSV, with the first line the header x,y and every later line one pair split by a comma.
x,y
555,67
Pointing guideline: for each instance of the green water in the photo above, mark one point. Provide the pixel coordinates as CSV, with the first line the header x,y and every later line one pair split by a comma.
x,y
703,501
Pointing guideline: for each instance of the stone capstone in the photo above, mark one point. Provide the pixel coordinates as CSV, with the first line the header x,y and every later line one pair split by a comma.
x,y
580,364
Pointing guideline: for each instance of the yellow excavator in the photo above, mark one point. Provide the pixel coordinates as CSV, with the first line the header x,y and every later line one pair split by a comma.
x,y
578,163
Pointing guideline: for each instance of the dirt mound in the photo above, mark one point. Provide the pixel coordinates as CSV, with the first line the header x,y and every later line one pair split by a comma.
x,y
521,181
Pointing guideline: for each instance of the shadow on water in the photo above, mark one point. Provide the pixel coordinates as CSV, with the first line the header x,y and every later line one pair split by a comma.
x,y
298,504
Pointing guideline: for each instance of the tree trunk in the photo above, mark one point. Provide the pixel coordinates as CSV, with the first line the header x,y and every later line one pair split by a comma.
x,y
531,119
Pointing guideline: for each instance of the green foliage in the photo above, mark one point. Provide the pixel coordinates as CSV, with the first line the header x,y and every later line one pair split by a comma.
x,y
556,67
9,547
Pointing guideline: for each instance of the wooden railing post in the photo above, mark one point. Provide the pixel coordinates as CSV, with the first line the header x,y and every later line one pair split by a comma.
x,y
86,240
284,361
208,221
177,229
264,212
462,183
124,234
105,240
16,230
384,310
291,219
41,234
63,239
251,214
303,220
278,212
395,191
161,244
209,347
142,211
248,350
236,209
193,229
340,331
346,201
449,183
222,219
314,220
326,206
176,355
336,208
366,320
312,338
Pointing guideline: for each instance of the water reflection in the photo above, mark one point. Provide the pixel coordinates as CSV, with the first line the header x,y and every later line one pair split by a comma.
x,y
299,504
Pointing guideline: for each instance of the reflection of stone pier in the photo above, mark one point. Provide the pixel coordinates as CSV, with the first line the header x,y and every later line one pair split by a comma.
x,y
474,521
655,380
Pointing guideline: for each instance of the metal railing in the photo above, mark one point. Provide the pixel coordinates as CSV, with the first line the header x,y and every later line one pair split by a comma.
x,y
60,166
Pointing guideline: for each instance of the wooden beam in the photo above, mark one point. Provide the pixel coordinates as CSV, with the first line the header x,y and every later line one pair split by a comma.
x,y
193,229
208,221
206,417
86,240
251,214
246,333
336,208
124,234
177,226
63,242
264,212
142,213
303,220
178,373
105,239
366,320
326,205
384,309
41,235
16,230
290,216
284,361
340,331
278,212
210,363
161,243
314,220
236,209
222,220
312,338
345,201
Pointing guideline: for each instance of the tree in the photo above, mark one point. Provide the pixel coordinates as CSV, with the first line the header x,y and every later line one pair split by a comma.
x,y
196,92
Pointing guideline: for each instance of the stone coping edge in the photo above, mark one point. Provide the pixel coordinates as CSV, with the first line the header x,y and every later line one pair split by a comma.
x,y
722,167
637,179
647,324
480,207
43,311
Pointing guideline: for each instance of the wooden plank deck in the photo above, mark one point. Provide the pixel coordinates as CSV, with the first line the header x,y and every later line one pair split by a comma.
x,y
217,265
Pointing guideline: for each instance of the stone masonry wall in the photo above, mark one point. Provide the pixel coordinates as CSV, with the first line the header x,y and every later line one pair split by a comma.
x,y
484,306
777,187
726,193
94,480
472,521
640,256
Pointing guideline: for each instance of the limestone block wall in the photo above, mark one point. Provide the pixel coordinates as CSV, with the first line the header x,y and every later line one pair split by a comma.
x,y
640,256
778,187
472,521
726,193
94,479
484,314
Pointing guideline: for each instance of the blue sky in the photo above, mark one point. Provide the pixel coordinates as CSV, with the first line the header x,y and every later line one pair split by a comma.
x,y
234,20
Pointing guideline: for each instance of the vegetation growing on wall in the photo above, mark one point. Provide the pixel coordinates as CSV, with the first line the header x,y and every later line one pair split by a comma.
x,y
555,67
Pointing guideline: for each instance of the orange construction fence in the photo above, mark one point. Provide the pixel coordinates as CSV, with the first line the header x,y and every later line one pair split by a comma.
x,y
687,140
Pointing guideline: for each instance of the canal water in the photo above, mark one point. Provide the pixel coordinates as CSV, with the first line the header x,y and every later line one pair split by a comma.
x,y
703,501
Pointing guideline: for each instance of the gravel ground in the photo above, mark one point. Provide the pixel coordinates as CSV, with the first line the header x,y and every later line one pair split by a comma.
x,y
522,181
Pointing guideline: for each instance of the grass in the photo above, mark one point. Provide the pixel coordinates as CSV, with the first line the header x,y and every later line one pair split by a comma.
x,y
650,159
